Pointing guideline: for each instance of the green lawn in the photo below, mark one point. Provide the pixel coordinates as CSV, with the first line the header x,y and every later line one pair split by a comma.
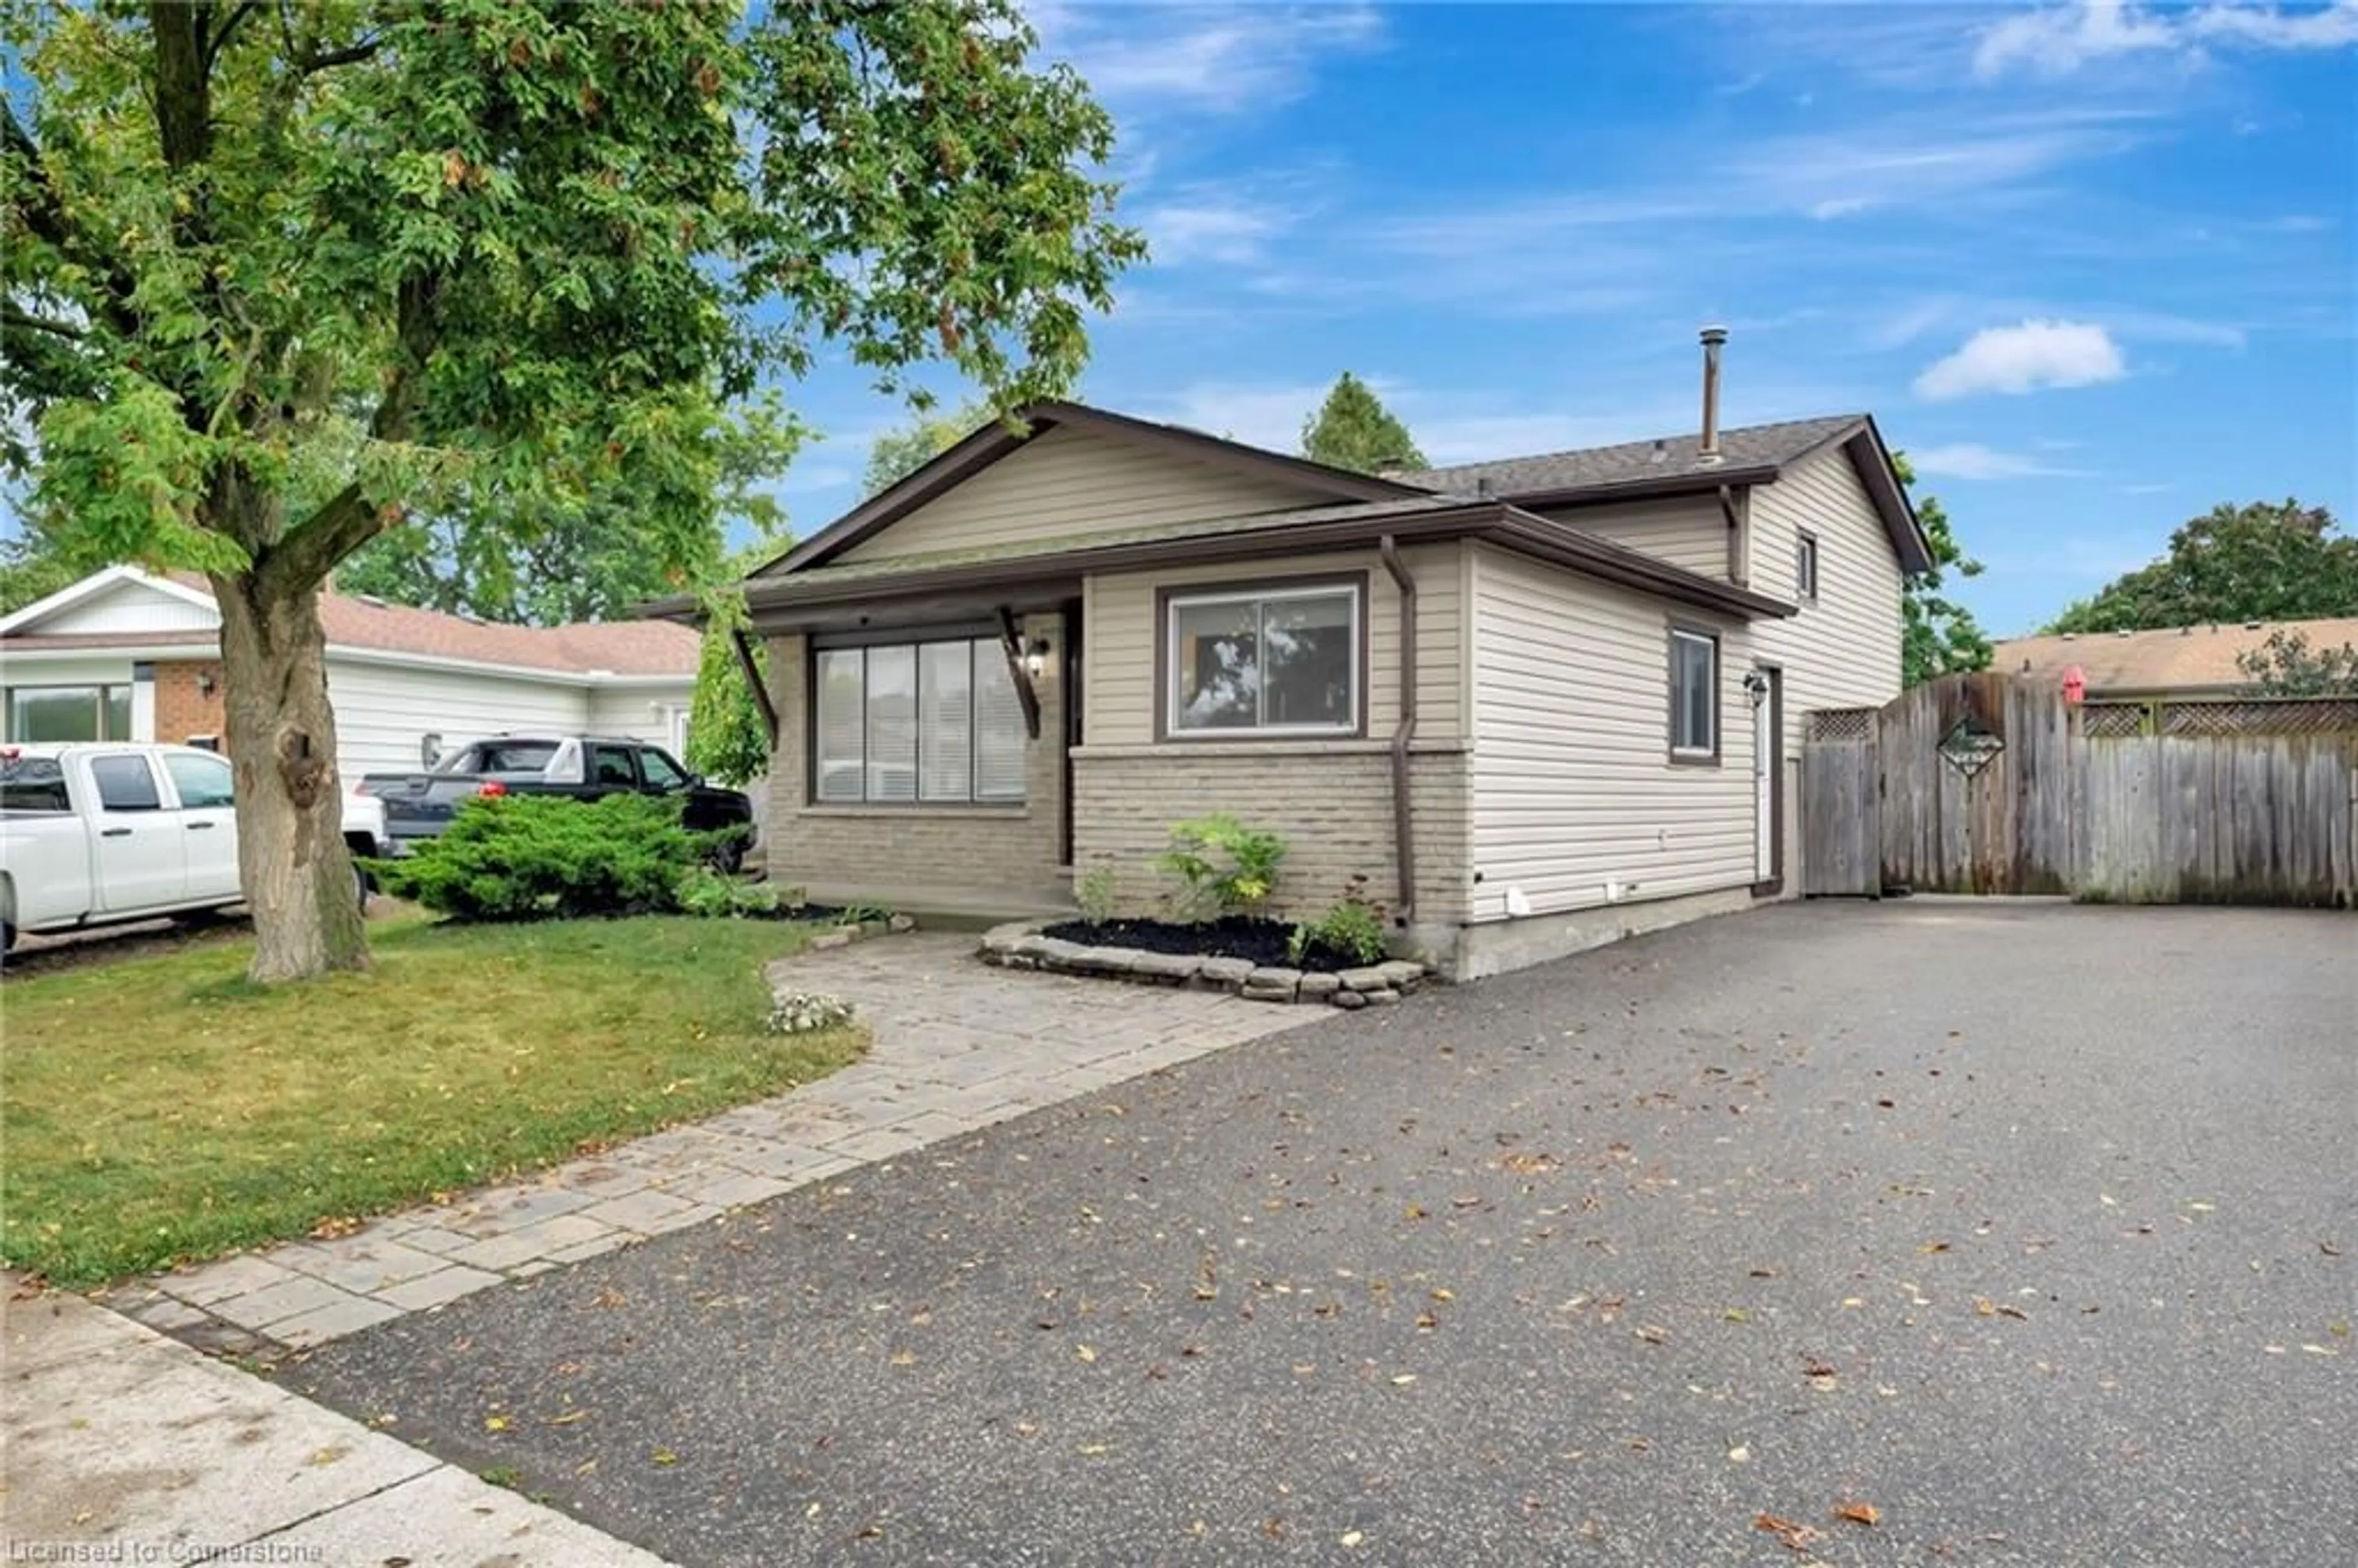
x,y
163,1108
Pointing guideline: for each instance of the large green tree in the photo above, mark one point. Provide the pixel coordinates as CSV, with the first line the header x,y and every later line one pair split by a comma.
x,y
2263,561
930,432
277,276
1938,635
547,562
1353,430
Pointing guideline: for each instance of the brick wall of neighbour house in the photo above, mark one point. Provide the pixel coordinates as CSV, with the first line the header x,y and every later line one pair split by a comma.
x,y
183,708
1331,803
1019,848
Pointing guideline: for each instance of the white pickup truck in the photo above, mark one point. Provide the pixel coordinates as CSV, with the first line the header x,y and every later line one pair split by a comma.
x,y
97,835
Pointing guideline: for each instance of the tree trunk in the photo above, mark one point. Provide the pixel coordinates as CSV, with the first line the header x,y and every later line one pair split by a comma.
x,y
296,873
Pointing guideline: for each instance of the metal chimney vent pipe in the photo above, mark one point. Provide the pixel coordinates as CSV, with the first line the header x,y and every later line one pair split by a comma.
x,y
1712,337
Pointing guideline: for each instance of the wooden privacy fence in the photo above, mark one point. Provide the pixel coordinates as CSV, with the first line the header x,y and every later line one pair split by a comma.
x,y
1991,784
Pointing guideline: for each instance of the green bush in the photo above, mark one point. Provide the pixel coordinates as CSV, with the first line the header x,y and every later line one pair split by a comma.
x,y
1228,868
1353,927
527,857
1096,895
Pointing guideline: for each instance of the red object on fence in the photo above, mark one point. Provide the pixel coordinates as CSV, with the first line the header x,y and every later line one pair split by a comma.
x,y
2075,684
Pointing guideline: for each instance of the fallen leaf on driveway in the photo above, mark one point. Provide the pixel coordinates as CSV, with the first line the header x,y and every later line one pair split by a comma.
x,y
1792,1535
1404,1380
495,1424
663,1456
904,1358
1859,1513
569,1418
1085,1353
1351,1537
1652,1334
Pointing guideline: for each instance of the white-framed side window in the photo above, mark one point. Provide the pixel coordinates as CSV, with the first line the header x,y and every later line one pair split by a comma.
x,y
1805,567
1278,661
1694,696
916,723
38,714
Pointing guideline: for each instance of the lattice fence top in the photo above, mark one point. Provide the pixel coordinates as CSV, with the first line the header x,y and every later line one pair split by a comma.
x,y
1841,724
2223,716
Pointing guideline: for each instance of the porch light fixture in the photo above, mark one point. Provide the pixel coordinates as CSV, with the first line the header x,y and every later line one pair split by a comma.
x,y
1035,658
1756,686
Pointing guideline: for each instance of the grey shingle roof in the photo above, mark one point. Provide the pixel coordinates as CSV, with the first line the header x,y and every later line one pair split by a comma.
x,y
1197,528
1745,446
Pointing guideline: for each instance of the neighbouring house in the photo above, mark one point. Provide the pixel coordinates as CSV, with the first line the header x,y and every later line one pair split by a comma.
x,y
130,654
2176,662
1535,703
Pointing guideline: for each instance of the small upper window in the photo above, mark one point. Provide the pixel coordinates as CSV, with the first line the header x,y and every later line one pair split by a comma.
x,y
1805,567
1694,697
201,780
1285,661
126,783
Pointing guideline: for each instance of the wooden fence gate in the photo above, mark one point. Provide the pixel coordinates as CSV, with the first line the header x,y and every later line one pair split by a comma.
x,y
1991,784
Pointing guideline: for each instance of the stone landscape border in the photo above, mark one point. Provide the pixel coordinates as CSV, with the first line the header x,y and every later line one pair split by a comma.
x,y
846,934
1025,945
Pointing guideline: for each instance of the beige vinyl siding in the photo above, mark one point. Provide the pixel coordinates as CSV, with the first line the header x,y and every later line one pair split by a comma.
x,y
1842,650
1576,801
1066,482
1121,630
1687,531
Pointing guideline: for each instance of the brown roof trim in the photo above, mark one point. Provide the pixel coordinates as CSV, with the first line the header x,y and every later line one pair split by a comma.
x,y
1872,458
996,439
1507,526
1641,488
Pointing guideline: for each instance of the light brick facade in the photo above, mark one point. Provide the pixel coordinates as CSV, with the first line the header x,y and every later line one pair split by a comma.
x,y
1017,847
184,707
1331,803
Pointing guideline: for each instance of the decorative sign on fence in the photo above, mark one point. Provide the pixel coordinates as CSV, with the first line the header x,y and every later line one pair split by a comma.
x,y
1969,747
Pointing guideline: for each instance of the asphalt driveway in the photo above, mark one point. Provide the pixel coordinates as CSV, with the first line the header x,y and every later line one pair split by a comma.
x,y
2031,1228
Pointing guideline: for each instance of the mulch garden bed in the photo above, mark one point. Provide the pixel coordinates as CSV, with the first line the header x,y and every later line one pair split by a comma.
x,y
1253,936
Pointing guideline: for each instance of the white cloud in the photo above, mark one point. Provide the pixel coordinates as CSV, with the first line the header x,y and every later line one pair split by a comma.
x,y
2025,357
1840,207
2058,40
2270,27
1208,230
1971,459
1222,58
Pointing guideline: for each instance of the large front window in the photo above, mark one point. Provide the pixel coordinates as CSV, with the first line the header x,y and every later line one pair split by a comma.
x,y
1279,661
916,723
61,713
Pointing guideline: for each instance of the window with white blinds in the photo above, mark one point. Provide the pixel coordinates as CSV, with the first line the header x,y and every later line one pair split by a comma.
x,y
909,723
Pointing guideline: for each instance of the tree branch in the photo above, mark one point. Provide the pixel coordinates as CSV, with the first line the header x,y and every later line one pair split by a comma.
x,y
313,61
221,37
184,110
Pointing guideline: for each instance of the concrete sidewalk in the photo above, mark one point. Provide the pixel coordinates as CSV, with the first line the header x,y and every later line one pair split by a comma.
x,y
119,1444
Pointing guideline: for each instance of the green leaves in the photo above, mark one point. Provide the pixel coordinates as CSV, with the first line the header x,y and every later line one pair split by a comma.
x,y
2262,561
1938,635
1353,430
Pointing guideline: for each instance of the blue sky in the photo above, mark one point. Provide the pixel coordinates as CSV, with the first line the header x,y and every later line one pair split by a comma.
x,y
2091,265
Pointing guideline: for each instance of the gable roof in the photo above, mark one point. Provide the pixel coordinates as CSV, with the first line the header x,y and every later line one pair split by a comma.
x,y
998,438
1349,525
2181,658
627,648
1671,465
1749,448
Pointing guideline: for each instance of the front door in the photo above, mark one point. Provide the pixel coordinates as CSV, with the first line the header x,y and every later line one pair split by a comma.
x,y
1768,777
